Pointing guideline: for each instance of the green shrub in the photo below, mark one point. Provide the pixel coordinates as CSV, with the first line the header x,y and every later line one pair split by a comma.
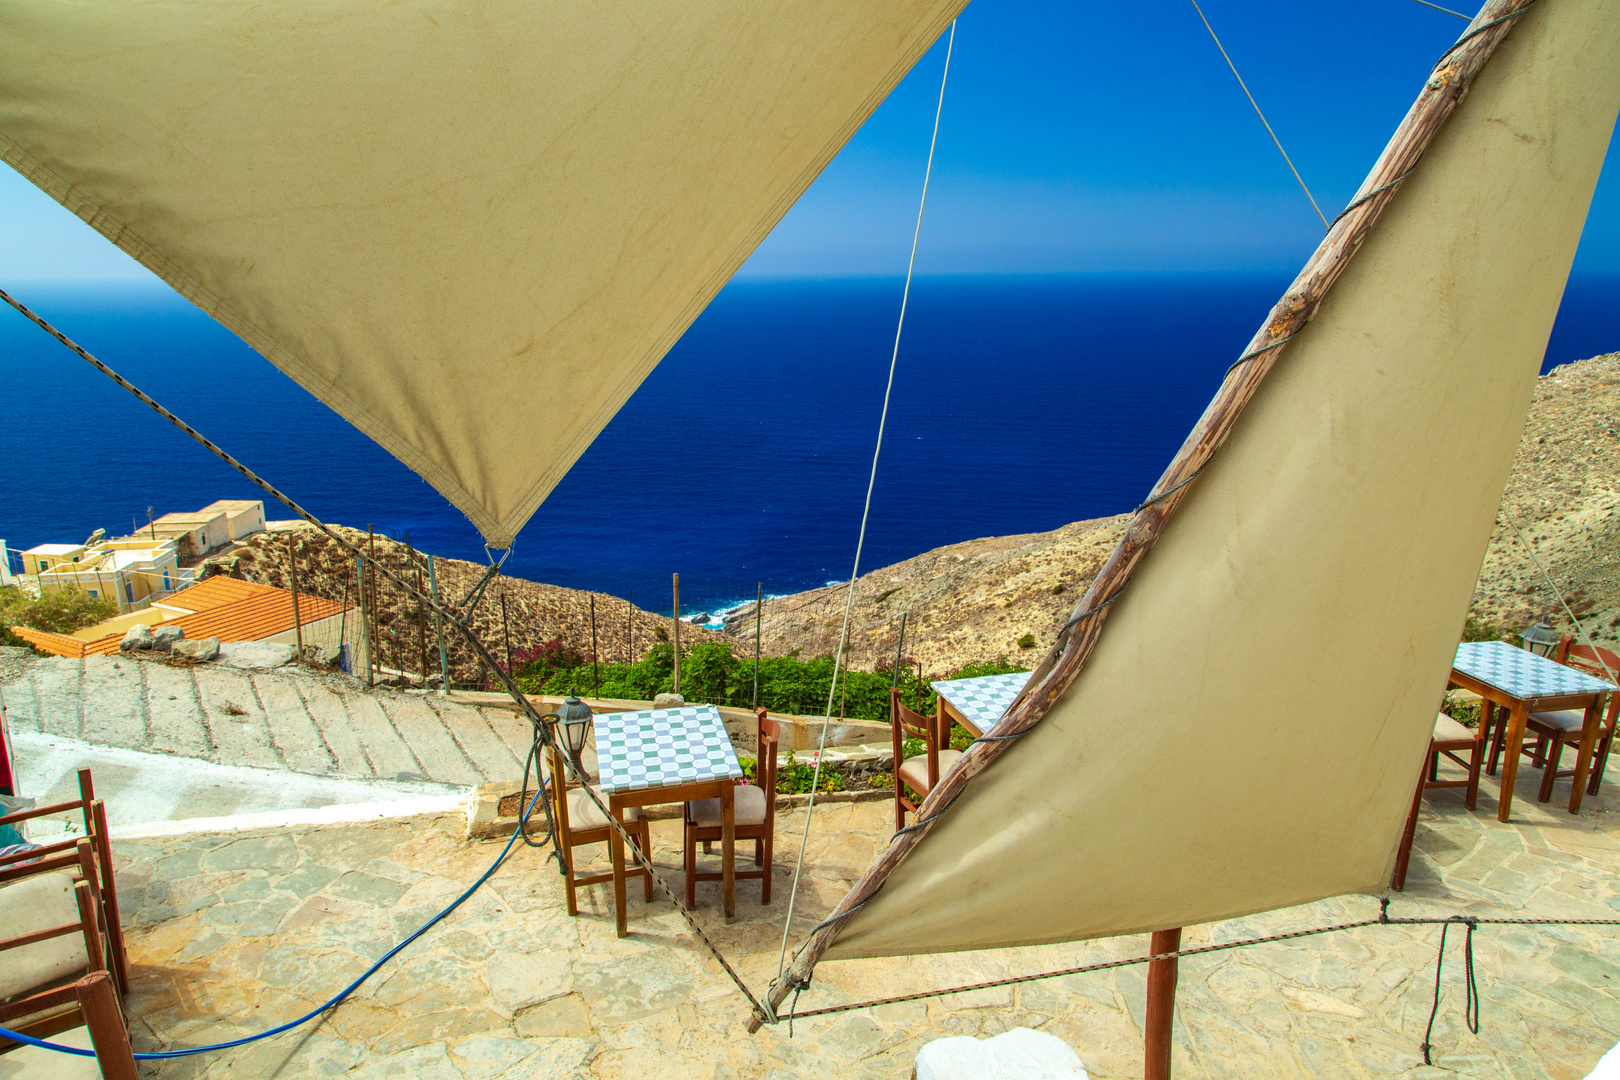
x,y
1027,641
58,612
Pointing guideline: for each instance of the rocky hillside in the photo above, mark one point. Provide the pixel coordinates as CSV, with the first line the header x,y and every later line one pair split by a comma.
x,y
534,613
977,600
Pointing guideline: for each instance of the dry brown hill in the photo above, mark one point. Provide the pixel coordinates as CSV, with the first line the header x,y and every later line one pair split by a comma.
x,y
977,600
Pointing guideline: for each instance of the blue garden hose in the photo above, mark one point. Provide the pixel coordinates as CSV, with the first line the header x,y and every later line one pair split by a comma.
x,y
330,1005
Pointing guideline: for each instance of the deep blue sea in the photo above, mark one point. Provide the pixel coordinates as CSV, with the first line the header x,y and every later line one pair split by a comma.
x,y
1020,404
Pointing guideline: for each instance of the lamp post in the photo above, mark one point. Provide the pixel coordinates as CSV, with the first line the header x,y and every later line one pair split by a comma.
x,y
573,724
1539,639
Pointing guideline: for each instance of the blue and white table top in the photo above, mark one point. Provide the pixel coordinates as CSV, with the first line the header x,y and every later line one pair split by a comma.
x,y
636,751
1522,673
981,701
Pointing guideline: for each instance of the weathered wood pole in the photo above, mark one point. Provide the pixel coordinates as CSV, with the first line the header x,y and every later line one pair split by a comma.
x,y
292,573
676,621
421,618
1161,1005
365,624
372,644
438,623
630,628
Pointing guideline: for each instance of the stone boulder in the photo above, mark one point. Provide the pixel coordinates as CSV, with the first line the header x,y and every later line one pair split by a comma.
x,y
255,655
200,650
1019,1054
668,701
165,637
138,636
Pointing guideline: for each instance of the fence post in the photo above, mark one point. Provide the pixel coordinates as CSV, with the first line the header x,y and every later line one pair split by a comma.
x,y
506,631
596,661
438,625
759,612
292,572
676,626
365,624
630,629
374,624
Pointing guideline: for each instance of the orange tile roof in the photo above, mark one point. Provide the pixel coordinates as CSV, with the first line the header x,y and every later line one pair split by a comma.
x,y
227,608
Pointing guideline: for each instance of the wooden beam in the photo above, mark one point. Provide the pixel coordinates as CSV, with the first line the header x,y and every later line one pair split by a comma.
x,y
99,1007
1447,84
1161,1005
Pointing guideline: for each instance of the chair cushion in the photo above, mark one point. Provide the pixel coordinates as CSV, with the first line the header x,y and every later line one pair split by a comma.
x,y
583,815
914,771
747,808
32,1063
34,904
1448,730
1566,720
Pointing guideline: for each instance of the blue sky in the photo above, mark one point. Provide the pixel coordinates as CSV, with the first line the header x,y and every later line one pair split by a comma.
x,y
1076,137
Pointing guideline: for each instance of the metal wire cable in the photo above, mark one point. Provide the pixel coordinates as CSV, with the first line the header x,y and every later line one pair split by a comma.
x,y
1448,11
1260,114
871,482
1551,584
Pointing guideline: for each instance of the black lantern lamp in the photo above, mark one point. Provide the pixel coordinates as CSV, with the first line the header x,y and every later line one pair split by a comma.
x,y
1539,639
573,725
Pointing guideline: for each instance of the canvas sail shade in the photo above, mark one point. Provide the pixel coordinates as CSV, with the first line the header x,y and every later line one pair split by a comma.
x,y
1247,733
470,229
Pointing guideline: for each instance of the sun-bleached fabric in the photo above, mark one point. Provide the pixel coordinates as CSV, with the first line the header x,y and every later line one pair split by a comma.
x,y
472,229
1289,638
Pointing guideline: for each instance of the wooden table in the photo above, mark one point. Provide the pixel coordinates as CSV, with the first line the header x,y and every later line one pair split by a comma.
x,y
978,703
666,756
1521,682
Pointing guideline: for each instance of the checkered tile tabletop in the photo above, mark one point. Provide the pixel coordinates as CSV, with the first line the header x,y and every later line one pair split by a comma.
x,y
663,747
984,699
1521,673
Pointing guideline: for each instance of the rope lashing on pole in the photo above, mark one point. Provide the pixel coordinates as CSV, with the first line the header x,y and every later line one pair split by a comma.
x,y
871,482
462,625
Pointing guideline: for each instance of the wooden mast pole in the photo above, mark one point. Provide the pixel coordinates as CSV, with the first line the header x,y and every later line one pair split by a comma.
x,y
1446,86
292,574
1161,1005
676,627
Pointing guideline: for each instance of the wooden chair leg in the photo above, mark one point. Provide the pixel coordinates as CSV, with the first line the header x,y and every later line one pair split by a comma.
x,y
1496,746
690,846
566,850
1475,760
1403,854
1554,750
1599,759
109,897
769,865
759,851
899,806
98,1004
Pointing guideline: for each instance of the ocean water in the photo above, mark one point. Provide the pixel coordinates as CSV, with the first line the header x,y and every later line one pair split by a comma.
x,y
1020,404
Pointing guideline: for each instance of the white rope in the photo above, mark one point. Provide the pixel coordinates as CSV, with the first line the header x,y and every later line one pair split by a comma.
x,y
871,481
1579,629
1262,116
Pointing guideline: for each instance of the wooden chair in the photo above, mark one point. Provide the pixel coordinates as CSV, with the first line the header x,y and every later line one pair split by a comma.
x,y
94,815
103,1031
753,818
1555,730
921,772
50,933
579,822
1450,739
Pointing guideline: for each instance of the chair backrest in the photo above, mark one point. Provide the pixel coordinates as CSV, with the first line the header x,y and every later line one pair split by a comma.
x,y
770,740
907,724
1592,659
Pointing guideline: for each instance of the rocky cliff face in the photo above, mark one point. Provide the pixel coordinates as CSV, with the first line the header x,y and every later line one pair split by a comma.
x,y
977,600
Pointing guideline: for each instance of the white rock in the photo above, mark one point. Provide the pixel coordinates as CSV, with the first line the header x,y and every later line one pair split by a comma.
x,y
201,649
668,701
1019,1054
138,636
164,637
255,655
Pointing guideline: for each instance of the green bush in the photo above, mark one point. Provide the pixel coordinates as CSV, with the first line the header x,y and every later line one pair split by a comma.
x,y
710,673
58,612
1476,629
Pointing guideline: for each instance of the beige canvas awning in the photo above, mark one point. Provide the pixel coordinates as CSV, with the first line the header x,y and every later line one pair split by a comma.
x,y
471,229
1248,732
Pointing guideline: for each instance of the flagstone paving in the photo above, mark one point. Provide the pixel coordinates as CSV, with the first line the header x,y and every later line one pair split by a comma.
x,y
234,933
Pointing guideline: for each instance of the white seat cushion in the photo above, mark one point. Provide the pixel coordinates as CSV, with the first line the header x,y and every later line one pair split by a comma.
x,y
32,1063
1448,730
1566,720
26,907
583,815
914,771
747,808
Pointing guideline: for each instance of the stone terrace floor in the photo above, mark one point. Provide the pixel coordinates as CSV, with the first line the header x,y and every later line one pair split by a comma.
x,y
234,933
